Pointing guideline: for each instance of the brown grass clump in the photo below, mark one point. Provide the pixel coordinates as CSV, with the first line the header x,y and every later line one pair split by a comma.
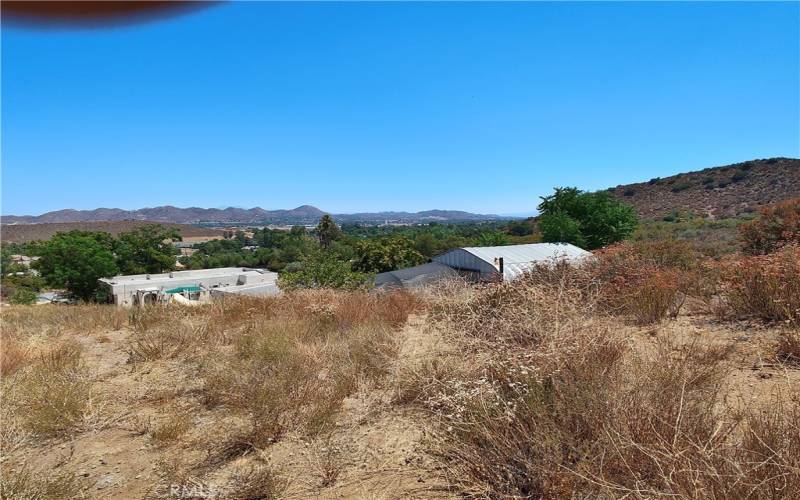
x,y
12,357
292,362
54,320
551,404
171,429
26,484
262,483
51,396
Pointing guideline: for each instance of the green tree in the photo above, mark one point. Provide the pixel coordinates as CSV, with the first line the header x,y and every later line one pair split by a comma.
x,y
561,227
76,260
386,254
327,231
322,269
588,220
146,249
491,239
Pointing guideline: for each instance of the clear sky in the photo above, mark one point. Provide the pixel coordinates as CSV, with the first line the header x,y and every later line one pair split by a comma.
x,y
392,106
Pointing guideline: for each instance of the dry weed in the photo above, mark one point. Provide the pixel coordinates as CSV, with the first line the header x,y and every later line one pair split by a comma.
x,y
25,484
171,429
52,396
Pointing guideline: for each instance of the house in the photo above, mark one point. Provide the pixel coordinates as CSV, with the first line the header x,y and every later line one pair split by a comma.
x,y
193,285
507,262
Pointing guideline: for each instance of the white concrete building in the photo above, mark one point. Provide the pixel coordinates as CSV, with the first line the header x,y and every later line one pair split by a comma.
x,y
193,285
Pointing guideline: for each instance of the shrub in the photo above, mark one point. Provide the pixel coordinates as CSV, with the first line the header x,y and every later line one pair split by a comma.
x,y
777,225
569,412
24,296
708,180
629,192
723,184
654,180
681,187
764,286
647,281
788,349
738,176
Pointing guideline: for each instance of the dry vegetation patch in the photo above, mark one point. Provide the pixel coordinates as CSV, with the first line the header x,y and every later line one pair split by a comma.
x,y
548,400
570,382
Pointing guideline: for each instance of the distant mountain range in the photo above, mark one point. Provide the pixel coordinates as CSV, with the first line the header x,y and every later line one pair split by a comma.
x,y
725,191
305,214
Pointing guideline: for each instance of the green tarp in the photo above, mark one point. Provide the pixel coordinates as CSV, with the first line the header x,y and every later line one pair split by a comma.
x,y
181,289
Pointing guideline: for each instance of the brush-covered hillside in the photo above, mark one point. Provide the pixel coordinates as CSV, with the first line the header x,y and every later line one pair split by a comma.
x,y
651,372
718,192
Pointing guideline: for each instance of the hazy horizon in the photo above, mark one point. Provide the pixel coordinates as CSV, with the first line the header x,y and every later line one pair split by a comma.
x,y
357,107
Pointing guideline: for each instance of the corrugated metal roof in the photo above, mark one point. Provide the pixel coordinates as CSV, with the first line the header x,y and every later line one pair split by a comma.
x,y
412,277
516,258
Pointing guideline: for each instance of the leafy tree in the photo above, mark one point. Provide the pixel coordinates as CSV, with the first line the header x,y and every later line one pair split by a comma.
x,y
146,249
322,269
327,231
589,220
561,227
76,260
520,227
386,254
492,239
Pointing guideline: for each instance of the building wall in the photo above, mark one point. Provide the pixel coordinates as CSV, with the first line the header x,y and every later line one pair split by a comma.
x,y
123,293
461,260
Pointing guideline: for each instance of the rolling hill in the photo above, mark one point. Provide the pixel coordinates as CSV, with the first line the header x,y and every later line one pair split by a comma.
x,y
305,214
716,192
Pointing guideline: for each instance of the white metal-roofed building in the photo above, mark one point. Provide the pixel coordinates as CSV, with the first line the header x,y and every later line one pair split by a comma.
x,y
414,277
511,261
140,288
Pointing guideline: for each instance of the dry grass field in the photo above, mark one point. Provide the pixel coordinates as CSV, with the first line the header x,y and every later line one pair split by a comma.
x,y
648,374
25,233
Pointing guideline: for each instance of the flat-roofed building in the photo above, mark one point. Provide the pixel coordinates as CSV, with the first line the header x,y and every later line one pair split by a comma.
x,y
193,285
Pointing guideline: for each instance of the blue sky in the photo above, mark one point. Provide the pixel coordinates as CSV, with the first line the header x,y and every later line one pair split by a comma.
x,y
392,106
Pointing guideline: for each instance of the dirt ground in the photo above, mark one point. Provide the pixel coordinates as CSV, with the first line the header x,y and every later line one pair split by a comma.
x,y
376,451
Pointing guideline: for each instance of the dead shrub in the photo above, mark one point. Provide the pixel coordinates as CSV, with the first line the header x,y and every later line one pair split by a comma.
x,y
570,412
522,311
165,341
646,281
766,286
788,348
12,357
777,226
